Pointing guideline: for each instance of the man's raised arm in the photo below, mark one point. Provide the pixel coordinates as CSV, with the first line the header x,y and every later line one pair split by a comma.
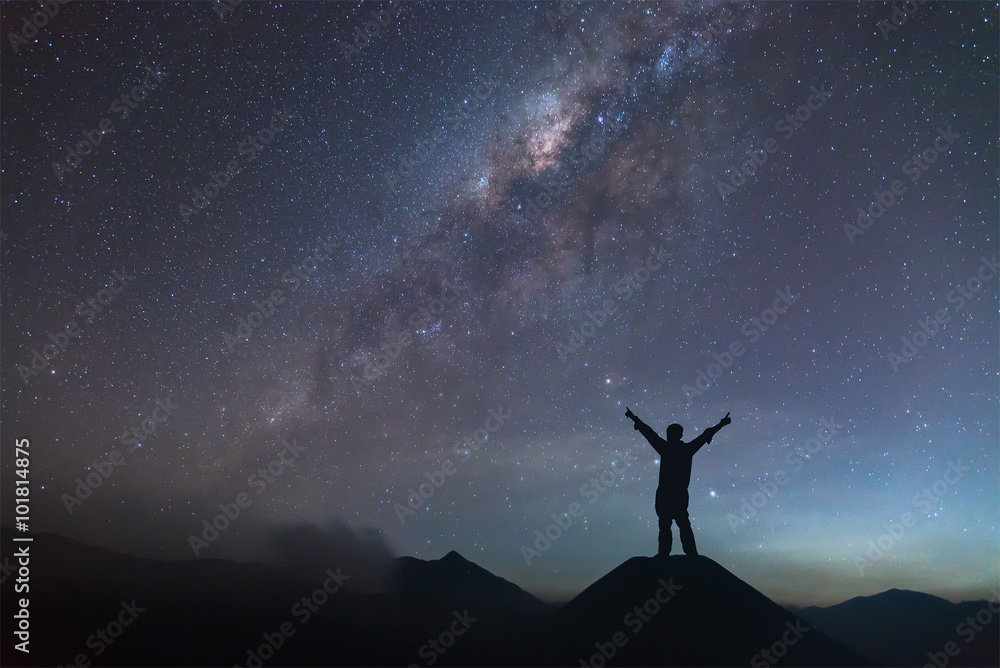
x,y
706,436
644,429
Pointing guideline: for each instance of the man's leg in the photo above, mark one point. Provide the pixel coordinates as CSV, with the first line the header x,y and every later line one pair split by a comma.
x,y
687,536
662,512
666,537
684,529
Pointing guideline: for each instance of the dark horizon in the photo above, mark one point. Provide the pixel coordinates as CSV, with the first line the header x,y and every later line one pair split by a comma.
x,y
556,598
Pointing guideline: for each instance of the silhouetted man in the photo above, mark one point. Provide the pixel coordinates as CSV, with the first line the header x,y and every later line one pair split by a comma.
x,y
675,474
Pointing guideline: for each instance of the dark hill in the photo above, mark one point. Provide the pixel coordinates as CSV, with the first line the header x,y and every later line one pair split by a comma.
x,y
211,612
709,617
454,580
443,613
907,628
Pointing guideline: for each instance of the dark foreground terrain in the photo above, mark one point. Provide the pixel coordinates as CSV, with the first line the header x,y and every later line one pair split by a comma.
x,y
94,607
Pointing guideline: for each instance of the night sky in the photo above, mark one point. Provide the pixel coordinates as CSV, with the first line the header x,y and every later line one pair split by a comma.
x,y
507,222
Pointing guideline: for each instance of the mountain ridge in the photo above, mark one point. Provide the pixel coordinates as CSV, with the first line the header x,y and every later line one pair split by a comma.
x,y
675,610
902,627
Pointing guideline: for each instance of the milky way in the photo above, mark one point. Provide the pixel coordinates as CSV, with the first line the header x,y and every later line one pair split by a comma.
x,y
401,267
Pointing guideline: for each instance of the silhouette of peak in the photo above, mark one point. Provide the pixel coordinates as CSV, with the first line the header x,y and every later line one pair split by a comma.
x,y
456,581
674,610
452,563
901,594
454,557
907,595
899,627
682,610
892,600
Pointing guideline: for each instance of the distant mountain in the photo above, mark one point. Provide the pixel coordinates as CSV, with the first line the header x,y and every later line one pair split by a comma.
x,y
212,612
908,628
445,612
454,580
191,611
685,611
504,613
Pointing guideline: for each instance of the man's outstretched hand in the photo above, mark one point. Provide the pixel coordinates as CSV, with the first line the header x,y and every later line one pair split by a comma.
x,y
631,416
724,421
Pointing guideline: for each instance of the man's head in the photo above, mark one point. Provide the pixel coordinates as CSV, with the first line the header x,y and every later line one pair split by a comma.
x,y
675,432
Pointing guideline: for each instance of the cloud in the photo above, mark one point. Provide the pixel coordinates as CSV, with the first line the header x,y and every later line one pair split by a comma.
x,y
306,550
